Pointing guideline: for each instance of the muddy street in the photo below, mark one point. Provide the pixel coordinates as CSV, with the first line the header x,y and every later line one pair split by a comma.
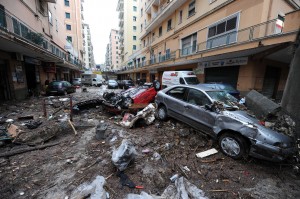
x,y
163,149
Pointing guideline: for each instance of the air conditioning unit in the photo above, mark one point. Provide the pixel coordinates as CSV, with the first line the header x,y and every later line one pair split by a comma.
x,y
19,57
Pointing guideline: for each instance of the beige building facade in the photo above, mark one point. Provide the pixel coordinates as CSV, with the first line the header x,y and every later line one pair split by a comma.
x,y
247,44
128,28
114,52
34,46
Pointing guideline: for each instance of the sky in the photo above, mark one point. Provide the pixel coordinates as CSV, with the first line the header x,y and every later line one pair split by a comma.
x,y
102,16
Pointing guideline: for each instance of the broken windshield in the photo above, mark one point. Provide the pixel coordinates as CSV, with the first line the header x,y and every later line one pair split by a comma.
x,y
223,97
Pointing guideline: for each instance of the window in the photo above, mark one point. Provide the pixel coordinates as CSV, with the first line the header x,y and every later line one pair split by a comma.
x,y
144,43
189,44
56,26
197,98
69,38
223,32
168,54
177,92
141,12
134,47
68,27
180,17
134,18
134,8
160,31
134,28
169,27
134,38
67,3
192,9
50,17
117,47
116,42
141,27
68,15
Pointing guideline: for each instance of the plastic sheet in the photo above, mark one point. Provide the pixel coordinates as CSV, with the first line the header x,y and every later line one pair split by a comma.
x,y
124,155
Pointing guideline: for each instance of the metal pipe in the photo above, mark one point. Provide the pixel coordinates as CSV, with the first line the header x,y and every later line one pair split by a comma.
x,y
71,105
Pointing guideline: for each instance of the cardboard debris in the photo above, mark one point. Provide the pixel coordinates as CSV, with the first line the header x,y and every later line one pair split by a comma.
x,y
207,153
13,130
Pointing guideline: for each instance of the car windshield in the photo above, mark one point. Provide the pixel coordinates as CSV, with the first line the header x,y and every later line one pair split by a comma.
x,y
227,87
111,81
222,96
191,80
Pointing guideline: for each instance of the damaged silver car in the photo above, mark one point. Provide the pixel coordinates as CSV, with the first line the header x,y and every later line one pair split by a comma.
x,y
216,113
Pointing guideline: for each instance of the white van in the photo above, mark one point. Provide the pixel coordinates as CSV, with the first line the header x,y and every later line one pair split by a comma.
x,y
171,78
97,81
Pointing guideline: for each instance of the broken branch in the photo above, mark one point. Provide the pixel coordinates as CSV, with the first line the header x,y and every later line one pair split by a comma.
x,y
75,132
12,153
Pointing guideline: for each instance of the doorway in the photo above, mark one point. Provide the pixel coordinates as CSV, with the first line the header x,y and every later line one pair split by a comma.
x,y
5,92
271,82
31,78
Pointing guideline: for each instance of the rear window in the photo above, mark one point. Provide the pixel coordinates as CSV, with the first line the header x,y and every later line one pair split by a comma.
x,y
54,84
76,79
191,80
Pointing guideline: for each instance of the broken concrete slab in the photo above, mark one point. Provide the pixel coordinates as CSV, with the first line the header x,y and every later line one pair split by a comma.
x,y
207,153
261,105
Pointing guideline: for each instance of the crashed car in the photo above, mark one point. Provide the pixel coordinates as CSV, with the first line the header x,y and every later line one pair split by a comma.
x,y
216,113
144,94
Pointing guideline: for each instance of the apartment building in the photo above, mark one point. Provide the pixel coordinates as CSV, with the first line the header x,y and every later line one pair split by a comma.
x,y
107,60
248,44
113,50
89,60
128,28
40,40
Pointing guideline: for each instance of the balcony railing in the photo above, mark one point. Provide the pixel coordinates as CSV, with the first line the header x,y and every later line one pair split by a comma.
x,y
18,28
253,33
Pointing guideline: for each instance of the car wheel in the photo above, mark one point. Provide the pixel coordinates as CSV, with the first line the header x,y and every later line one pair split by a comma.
x,y
65,92
162,112
127,102
233,145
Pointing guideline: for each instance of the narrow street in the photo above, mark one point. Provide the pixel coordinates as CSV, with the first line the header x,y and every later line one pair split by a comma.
x,y
163,150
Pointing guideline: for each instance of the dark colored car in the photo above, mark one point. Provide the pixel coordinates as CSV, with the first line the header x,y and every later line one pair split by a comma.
x,y
112,84
60,88
215,113
225,87
125,84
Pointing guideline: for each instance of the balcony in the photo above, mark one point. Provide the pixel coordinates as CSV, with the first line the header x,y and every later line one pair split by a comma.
x,y
121,15
121,23
164,11
17,36
120,5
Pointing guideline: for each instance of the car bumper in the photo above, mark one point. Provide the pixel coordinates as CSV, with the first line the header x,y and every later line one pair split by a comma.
x,y
271,153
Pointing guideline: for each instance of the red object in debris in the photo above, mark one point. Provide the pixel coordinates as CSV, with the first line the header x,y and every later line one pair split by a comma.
x,y
145,97
262,123
139,187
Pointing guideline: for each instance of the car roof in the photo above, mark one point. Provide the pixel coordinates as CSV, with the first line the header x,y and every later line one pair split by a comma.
x,y
197,86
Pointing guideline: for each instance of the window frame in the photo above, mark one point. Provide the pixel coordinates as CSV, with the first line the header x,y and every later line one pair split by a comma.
x,y
67,3
202,100
192,8
183,94
68,14
169,25
134,9
50,18
160,31
194,48
68,25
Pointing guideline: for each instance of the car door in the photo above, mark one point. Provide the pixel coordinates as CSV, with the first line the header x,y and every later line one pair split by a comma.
x,y
175,103
196,112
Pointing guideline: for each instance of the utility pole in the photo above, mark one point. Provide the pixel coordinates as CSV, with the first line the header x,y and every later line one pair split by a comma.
x,y
291,96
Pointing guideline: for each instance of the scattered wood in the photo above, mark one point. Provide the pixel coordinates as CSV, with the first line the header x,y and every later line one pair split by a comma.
x,y
110,189
109,176
219,190
75,132
13,130
19,151
182,171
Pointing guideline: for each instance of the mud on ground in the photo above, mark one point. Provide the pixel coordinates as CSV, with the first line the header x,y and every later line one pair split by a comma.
x,y
57,171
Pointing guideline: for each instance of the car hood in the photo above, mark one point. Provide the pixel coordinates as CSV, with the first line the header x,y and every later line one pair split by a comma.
x,y
264,132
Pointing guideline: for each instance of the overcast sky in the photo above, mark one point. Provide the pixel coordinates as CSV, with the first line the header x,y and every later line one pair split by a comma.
x,y
102,16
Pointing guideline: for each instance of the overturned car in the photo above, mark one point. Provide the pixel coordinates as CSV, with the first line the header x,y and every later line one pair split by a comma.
x,y
215,113
143,94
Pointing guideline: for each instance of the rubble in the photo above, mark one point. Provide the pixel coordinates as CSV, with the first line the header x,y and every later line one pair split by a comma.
x,y
146,115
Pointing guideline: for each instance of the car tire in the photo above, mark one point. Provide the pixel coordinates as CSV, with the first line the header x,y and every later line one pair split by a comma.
x,y
233,145
162,113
